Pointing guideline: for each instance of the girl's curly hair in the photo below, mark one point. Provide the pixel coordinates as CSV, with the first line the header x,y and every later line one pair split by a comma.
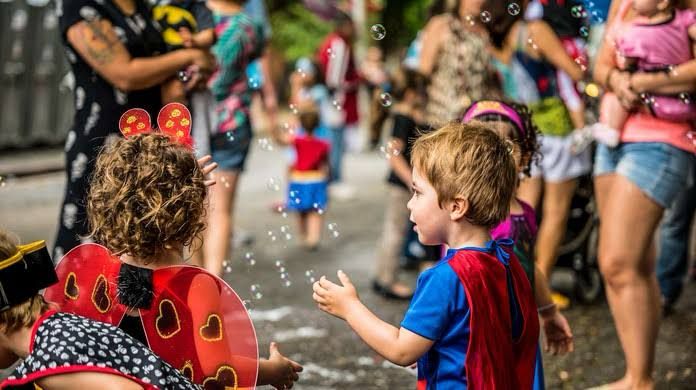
x,y
527,142
146,192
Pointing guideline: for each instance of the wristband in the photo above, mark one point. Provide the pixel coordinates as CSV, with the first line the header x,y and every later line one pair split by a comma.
x,y
546,308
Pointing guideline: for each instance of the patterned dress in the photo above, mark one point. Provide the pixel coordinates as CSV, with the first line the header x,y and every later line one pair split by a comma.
x,y
463,74
66,343
98,104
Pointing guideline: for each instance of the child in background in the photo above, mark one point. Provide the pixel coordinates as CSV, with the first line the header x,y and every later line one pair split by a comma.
x,y
308,176
377,81
513,122
406,114
472,321
54,346
642,46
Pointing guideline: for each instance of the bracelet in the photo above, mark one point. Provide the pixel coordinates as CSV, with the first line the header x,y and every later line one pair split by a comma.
x,y
608,78
546,307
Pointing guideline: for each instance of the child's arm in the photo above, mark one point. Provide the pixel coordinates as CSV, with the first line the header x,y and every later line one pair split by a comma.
x,y
277,371
398,163
203,39
552,49
558,337
400,346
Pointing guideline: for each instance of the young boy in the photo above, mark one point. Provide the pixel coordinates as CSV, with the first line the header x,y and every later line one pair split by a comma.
x,y
472,322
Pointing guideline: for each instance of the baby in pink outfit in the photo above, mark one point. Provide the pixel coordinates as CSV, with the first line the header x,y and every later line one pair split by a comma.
x,y
661,38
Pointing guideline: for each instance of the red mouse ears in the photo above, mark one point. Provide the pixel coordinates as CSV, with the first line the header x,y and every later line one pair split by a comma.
x,y
173,120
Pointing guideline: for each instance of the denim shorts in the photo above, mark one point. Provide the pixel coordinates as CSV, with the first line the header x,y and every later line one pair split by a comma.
x,y
230,149
660,170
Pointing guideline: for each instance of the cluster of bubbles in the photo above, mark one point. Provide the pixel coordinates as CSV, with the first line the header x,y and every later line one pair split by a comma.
x,y
287,127
266,144
385,99
273,184
514,9
486,16
378,32
333,228
310,278
578,11
283,273
389,150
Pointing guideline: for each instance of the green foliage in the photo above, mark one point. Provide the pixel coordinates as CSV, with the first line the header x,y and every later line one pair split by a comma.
x,y
296,31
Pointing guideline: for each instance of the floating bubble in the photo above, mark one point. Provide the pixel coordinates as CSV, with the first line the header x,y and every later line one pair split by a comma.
x,y
531,43
378,32
335,234
266,144
288,129
230,135
331,53
183,76
584,31
333,228
249,259
691,136
310,277
272,236
685,98
256,291
273,184
581,63
389,150
578,11
385,99
287,283
2,182
470,20
514,9
225,182
280,264
285,229
301,72
253,82
248,304
293,108
485,16
318,208
337,105
228,269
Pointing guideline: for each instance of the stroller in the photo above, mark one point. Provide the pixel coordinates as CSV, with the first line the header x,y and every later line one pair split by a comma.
x,y
577,255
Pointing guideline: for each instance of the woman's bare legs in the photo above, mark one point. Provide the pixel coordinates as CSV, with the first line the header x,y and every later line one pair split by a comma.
x,y
218,233
530,190
628,219
556,208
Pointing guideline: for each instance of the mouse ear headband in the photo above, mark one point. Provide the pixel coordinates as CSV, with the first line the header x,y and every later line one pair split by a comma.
x,y
173,120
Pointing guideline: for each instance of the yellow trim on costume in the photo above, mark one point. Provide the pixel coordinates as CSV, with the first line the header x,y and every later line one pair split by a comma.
x,y
21,251
207,323
217,374
308,175
106,294
65,288
188,365
176,315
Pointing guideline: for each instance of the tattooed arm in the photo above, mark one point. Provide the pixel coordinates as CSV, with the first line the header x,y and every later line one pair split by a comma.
x,y
96,42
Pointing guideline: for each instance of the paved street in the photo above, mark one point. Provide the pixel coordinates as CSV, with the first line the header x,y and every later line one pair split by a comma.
x,y
333,357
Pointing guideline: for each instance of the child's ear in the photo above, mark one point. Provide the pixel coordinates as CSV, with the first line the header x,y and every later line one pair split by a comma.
x,y
458,208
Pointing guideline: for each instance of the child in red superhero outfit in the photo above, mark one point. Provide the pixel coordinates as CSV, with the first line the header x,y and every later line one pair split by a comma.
x,y
472,322
146,204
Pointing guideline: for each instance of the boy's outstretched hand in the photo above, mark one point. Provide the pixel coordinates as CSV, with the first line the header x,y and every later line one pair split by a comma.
x,y
558,338
207,165
333,298
279,371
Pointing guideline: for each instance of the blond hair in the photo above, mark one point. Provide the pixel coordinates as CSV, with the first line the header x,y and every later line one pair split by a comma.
x,y
469,161
22,314
146,192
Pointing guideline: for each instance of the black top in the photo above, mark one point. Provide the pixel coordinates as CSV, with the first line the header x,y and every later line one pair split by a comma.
x,y
173,19
564,21
406,130
98,104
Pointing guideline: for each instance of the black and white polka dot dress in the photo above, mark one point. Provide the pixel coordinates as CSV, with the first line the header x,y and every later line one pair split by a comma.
x,y
66,343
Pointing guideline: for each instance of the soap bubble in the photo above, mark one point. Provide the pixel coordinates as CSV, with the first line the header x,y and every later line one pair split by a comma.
x,y
310,277
183,76
248,304
230,136
266,144
273,184
389,150
378,32
331,53
578,11
685,98
293,108
256,291
318,208
385,99
513,9
333,228
584,31
249,259
486,16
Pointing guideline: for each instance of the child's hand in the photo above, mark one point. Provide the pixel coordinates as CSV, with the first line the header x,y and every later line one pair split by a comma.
x,y
186,37
282,372
558,338
206,169
334,299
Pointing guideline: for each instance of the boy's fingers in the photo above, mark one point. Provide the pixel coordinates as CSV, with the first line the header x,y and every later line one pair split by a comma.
x,y
345,280
273,348
297,367
317,288
317,298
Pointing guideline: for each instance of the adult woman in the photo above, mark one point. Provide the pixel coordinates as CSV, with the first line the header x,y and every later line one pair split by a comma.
x,y
455,58
532,53
634,184
115,52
